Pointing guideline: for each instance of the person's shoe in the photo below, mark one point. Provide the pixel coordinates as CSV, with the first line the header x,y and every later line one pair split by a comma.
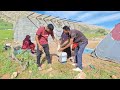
x,y
39,68
74,64
77,69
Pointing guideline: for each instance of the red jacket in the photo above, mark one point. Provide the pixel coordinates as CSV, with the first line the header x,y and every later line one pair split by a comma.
x,y
25,45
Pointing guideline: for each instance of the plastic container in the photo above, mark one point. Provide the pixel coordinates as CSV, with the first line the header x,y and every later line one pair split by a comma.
x,y
63,57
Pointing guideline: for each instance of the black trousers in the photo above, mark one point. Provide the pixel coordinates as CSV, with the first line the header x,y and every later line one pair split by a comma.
x,y
68,51
39,53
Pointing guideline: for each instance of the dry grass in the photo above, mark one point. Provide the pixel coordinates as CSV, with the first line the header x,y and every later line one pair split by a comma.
x,y
103,69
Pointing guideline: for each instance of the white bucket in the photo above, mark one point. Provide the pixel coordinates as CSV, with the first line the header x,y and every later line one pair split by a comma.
x,y
63,57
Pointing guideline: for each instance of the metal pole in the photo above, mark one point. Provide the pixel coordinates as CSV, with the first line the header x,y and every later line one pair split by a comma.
x,y
72,22
31,20
45,18
67,22
63,21
38,19
53,22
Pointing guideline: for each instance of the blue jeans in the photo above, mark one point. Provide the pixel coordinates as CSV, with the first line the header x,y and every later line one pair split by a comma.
x,y
39,53
78,53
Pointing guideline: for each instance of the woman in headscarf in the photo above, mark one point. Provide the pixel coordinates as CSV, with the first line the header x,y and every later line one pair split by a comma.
x,y
27,44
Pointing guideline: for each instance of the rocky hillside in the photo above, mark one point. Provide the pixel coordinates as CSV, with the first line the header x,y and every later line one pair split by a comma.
x,y
13,16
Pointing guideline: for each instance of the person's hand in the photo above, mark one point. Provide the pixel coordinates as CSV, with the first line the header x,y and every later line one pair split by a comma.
x,y
58,47
40,48
60,50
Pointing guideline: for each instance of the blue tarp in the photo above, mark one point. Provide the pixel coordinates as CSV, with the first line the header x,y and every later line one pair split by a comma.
x,y
88,51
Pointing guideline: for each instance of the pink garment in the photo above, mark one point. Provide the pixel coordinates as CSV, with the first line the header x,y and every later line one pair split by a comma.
x,y
116,32
43,35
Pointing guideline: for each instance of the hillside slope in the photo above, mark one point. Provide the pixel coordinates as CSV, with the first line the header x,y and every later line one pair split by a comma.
x,y
5,25
13,16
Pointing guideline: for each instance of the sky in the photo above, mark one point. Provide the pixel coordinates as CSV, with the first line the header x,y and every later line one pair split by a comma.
x,y
106,19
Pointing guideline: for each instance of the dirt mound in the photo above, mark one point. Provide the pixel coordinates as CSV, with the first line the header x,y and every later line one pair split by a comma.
x,y
6,76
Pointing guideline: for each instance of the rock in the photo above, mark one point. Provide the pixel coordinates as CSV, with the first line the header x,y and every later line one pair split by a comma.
x,y
6,76
114,77
81,75
30,71
8,44
14,75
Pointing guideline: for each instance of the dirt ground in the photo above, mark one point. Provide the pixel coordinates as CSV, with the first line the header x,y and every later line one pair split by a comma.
x,y
92,44
89,60
103,69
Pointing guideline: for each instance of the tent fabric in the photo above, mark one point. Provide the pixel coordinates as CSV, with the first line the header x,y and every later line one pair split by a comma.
x,y
116,32
109,47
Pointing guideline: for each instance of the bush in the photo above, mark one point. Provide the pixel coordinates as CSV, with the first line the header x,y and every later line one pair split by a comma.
x,y
105,33
102,31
